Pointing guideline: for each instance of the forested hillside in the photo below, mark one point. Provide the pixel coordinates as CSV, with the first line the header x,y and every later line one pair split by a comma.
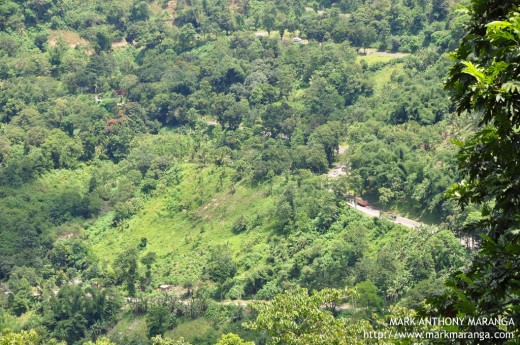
x,y
162,159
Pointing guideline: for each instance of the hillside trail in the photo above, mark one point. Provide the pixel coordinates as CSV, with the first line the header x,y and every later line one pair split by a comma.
x,y
372,51
244,303
374,212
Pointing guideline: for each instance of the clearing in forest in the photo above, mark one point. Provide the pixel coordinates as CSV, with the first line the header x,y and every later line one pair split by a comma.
x,y
72,39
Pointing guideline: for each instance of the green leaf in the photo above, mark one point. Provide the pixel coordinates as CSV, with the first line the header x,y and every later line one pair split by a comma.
x,y
473,71
510,87
461,10
465,278
498,25
457,142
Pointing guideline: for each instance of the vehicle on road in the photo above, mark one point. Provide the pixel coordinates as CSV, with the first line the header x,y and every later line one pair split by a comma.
x,y
361,202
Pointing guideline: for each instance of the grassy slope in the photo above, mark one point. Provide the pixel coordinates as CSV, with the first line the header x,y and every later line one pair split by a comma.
x,y
131,326
382,77
42,193
182,238
191,329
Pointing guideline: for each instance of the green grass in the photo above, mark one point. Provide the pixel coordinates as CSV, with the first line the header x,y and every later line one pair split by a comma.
x,y
130,326
382,77
182,238
190,329
375,58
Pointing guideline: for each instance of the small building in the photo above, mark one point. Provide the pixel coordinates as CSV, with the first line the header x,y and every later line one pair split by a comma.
x,y
297,40
165,288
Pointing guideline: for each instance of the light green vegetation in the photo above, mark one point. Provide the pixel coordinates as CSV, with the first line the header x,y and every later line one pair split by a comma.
x,y
191,329
374,58
181,235
129,326
149,143
383,77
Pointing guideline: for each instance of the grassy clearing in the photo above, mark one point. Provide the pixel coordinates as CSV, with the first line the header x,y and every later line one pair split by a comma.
x,y
382,78
130,326
72,39
371,56
182,238
119,44
287,37
372,59
190,330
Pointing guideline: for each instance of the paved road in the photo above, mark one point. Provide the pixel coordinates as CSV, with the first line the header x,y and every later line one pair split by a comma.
x,y
339,170
374,212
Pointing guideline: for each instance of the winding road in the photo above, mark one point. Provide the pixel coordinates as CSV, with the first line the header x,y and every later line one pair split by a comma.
x,y
371,211
338,170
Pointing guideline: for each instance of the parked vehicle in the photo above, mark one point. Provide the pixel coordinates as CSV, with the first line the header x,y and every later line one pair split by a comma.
x,y
360,201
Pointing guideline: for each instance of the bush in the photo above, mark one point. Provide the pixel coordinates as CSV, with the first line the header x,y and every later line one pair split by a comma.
x,y
159,320
239,226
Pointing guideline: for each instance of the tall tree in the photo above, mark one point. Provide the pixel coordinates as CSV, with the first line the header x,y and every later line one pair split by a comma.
x,y
296,317
126,267
485,80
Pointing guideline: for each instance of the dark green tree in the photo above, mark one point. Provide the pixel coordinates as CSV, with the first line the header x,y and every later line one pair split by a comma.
x,y
126,267
74,310
220,266
485,80
159,319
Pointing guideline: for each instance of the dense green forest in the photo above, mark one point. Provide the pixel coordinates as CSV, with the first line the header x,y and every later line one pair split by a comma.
x,y
165,169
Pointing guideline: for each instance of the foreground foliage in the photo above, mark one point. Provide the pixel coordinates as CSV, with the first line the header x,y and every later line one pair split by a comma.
x,y
485,80
297,318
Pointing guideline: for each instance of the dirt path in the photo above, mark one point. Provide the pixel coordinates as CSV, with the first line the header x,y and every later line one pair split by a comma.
x,y
211,122
372,51
244,303
338,169
396,55
409,223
